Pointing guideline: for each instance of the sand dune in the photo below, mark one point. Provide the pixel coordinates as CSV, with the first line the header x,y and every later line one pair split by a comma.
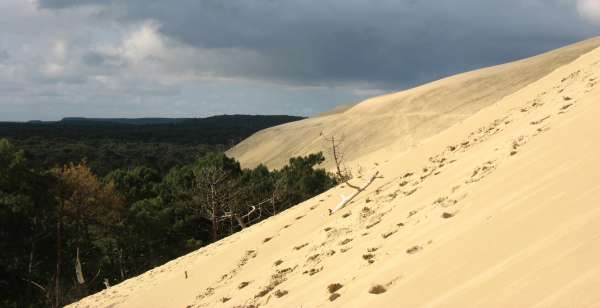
x,y
500,209
396,122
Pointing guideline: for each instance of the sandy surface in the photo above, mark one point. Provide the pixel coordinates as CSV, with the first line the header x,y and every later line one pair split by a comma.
x,y
396,122
501,209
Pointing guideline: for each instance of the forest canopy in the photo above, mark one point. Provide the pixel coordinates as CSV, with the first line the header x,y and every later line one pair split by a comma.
x,y
73,225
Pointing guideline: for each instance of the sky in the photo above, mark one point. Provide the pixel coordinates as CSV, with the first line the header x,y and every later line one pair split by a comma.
x,y
196,58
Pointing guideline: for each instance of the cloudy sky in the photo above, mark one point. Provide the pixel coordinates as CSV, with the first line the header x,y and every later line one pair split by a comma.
x,y
191,58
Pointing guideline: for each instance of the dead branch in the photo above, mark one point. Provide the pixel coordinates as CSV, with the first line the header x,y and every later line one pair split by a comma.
x,y
345,200
338,157
39,286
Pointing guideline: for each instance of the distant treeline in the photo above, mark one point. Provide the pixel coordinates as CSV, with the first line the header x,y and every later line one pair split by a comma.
x,y
217,130
108,144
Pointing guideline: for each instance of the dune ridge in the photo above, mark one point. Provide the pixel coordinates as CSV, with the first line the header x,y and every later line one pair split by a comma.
x,y
398,121
499,209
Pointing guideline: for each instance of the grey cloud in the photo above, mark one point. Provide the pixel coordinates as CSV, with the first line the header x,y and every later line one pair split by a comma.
x,y
98,59
4,55
255,56
61,4
391,43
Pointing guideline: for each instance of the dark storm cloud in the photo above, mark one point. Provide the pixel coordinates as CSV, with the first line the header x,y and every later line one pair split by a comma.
x,y
386,43
61,4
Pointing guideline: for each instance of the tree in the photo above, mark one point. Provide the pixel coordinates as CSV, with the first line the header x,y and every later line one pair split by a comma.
x,y
342,173
93,209
25,214
302,180
215,177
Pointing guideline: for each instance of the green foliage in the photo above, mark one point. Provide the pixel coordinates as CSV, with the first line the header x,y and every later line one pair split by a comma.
x,y
109,144
128,221
24,229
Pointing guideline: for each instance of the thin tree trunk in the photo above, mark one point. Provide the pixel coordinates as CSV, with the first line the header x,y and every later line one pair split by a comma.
x,y
215,223
57,292
335,158
121,264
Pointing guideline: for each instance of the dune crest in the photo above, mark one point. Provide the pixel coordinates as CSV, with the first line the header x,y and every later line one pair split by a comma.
x,y
396,122
499,209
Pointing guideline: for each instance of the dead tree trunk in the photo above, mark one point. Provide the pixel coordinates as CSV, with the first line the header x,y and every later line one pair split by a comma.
x,y
338,158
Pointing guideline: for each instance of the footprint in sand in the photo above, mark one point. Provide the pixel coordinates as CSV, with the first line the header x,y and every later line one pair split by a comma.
x,y
332,289
377,289
388,234
369,257
366,212
410,192
517,143
346,241
447,215
481,172
313,271
564,108
280,293
414,249
371,225
540,121
300,246
444,202
276,279
313,258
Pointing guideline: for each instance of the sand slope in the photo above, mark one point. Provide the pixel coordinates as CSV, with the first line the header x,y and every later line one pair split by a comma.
x,y
499,210
395,122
